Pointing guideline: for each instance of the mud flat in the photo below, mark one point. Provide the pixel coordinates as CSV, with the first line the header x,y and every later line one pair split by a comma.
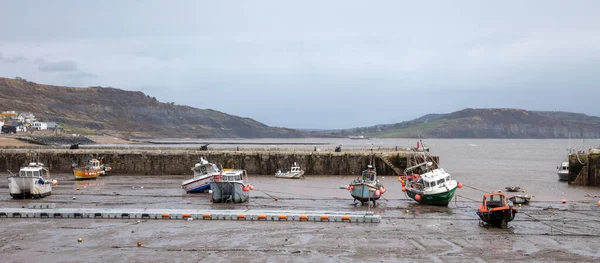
x,y
546,231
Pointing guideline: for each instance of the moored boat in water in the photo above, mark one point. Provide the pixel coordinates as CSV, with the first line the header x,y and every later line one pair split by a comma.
x,y
91,170
230,186
563,171
494,210
294,173
33,181
366,188
203,175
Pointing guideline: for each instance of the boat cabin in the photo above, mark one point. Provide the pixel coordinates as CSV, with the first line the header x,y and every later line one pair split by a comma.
x,y
434,178
295,168
494,200
94,164
204,168
232,176
369,175
564,166
33,170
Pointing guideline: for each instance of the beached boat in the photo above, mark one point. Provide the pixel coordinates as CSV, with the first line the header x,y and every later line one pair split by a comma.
x,y
33,181
91,170
366,188
230,186
520,199
495,211
563,171
203,174
293,173
433,187
512,189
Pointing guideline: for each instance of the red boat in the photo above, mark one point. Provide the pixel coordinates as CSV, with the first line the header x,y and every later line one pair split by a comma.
x,y
495,211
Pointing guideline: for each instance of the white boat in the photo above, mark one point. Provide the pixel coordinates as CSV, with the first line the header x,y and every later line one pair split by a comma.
x,y
358,137
230,186
563,171
203,174
33,181
294,173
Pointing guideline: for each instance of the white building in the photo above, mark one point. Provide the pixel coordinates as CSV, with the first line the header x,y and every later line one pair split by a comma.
x,y
38,126
27,117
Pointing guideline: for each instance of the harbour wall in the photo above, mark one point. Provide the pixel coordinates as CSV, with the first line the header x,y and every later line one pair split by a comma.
x,y
180,162
584,169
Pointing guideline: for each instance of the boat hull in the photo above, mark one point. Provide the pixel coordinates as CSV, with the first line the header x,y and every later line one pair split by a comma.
x,y
86,174
293,175
563,176
440,199
196,185
498,218
28,187
364,192
228,192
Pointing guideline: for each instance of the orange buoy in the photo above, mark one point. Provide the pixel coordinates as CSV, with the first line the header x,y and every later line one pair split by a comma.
x,y
418,197
459,185
54,182
403,189
276,199
377,193
245,188
348,188
139,244
251,187
564,201
598,203
523,191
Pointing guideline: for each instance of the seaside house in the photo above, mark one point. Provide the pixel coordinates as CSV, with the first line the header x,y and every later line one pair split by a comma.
x,y
39,126
27,118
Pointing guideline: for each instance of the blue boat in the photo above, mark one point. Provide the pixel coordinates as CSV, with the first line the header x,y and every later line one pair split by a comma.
x,y
203,175
366,188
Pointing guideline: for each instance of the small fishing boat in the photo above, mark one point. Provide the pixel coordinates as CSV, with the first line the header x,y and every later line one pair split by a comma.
x,y
91,170
366,188
520,199
203,174
293,173
563,171
495,211
230,186
33,181
434,187
512,189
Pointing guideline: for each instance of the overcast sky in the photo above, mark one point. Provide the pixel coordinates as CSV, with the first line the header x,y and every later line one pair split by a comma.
x,y
315,64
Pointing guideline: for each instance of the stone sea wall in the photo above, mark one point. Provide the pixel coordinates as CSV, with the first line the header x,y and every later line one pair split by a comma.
x,y
584,169
180,162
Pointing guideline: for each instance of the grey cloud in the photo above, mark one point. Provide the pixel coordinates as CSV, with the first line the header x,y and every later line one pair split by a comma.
x,y
66,65
412,58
